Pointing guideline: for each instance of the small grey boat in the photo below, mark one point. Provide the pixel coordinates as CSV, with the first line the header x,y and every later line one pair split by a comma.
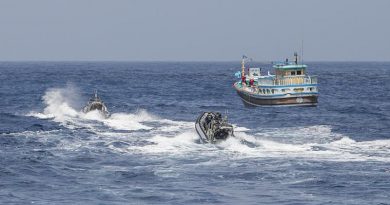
x,y
212,128
95,103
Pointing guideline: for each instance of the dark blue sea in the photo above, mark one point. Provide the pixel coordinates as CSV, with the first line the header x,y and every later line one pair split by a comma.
x,y
147,151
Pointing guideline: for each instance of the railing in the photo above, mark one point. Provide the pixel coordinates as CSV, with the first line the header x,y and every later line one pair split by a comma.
x,y
293,80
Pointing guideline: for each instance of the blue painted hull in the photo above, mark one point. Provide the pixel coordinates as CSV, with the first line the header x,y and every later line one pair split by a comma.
x,y
251,99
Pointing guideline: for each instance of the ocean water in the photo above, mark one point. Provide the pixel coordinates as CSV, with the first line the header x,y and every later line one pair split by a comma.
x,y
148,152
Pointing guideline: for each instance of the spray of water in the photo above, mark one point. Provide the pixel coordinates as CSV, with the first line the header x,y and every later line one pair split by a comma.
x,y
178,139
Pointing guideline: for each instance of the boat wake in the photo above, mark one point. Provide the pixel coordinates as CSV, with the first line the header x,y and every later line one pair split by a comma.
x,y
60,103
143,133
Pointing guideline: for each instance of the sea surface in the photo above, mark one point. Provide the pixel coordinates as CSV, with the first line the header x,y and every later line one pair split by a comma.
x,y
147,151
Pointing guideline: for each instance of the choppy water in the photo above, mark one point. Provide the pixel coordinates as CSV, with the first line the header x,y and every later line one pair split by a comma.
x,y
148,152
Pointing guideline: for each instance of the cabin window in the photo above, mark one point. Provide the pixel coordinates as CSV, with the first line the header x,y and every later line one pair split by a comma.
x,y
299,72
286,90
273,91
298,89
293,72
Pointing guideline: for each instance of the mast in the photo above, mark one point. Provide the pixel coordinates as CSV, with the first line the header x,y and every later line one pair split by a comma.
x,y
296,58
96,94
243,66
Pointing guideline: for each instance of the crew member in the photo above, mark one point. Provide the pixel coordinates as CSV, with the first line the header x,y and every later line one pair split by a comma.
x,y
251,82
243,80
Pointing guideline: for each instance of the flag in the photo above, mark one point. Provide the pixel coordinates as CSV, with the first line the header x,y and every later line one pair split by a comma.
x,y
237,74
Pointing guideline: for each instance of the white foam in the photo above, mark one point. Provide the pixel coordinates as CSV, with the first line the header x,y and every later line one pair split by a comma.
x,y
123,121
336,148
142,115
178,138
39,115
92,115
170,126
182,143
333,146
234,145
240,129
59,103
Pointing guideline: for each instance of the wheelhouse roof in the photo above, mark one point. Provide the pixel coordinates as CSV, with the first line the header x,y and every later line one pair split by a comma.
x,y
284,66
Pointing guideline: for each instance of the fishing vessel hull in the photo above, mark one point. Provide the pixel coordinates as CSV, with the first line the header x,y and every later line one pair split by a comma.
x,y
250,99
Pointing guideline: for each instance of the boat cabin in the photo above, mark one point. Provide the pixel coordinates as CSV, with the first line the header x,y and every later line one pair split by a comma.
x,y
289,70
254,72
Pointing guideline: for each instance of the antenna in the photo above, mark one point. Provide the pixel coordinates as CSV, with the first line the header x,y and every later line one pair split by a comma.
x,y
226,115
302,51
296,58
